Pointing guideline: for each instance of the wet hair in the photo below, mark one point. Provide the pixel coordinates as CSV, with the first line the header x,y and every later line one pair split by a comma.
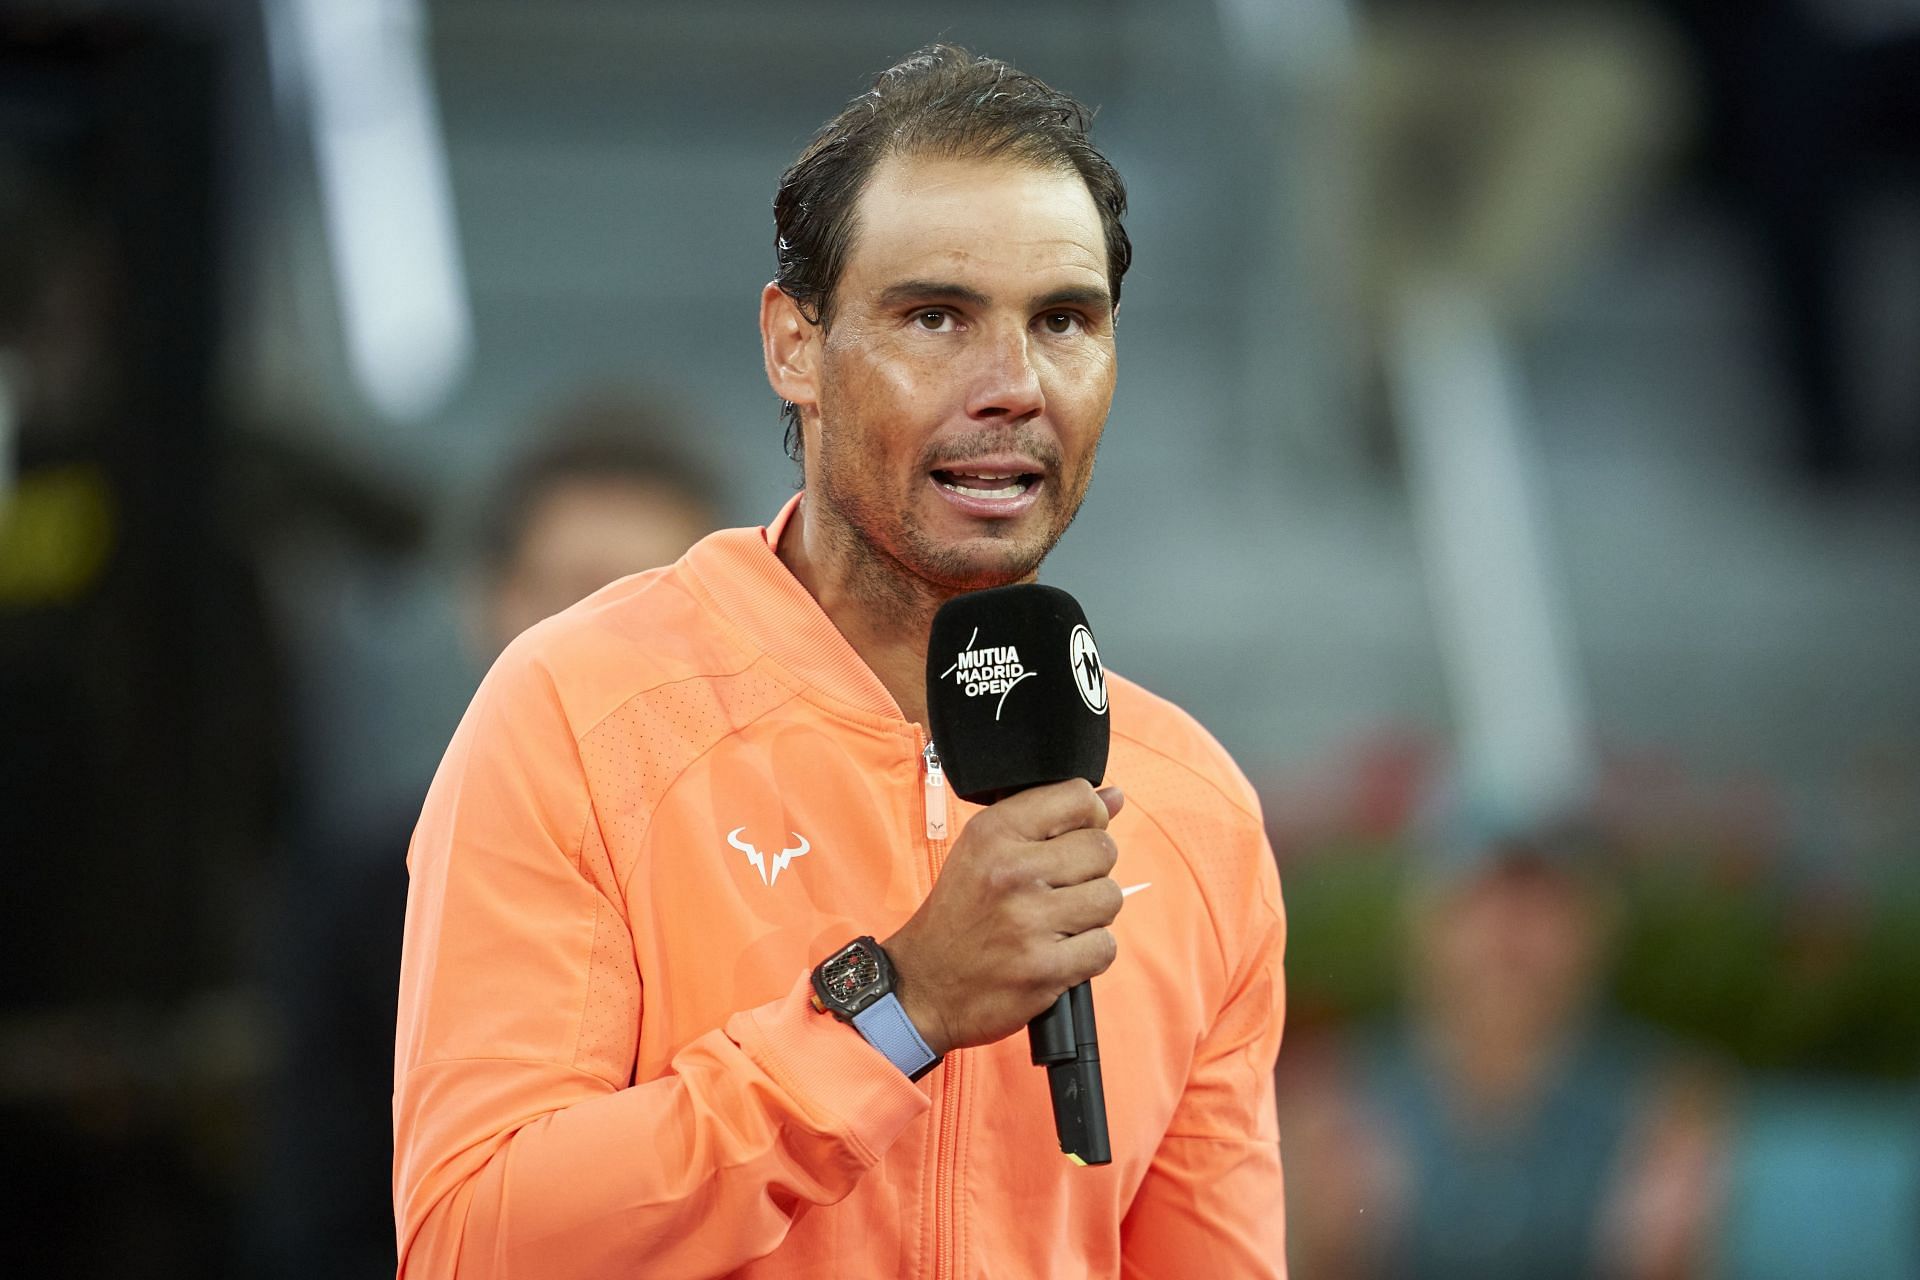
x,y
603,438
941,101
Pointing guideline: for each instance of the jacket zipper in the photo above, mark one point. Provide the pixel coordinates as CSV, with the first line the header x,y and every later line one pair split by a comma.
x,y
948,1141
936,797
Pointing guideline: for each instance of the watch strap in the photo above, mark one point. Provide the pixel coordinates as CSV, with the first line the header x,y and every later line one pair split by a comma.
x,y
884,1024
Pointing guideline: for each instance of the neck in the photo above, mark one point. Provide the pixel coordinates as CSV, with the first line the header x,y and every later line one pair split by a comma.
x,y
883,611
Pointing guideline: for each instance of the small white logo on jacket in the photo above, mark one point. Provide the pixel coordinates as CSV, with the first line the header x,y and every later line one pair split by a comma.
x,y
759,859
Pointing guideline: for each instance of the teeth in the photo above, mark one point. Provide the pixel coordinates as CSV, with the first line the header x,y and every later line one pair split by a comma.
x,y
1012,487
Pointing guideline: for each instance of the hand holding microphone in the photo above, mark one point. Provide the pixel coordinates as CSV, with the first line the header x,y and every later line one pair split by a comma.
x,y
1018,920
1018,916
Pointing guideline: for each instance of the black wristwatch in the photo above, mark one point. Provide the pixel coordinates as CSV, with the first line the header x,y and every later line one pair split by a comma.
x,y
856,984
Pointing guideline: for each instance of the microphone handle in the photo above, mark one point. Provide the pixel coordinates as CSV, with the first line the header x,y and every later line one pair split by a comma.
x,y
1066,1042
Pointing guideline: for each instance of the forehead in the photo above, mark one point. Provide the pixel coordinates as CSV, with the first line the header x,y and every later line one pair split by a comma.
x,y
945,218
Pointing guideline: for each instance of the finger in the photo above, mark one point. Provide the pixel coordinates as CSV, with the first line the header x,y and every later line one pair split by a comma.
x,y
1041,813
1076,857
1114,798
1078,908
1084,955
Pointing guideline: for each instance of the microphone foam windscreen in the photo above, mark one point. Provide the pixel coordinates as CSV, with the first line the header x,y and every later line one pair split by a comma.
x,y
1016,693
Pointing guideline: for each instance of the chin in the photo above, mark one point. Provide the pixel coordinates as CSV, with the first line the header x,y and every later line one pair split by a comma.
x,y
977,568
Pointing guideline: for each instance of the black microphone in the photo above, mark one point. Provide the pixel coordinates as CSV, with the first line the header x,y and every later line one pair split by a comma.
x,y
1017,698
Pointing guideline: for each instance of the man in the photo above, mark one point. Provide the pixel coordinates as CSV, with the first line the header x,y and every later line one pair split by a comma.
x,y
1509,1125
669,805
597,496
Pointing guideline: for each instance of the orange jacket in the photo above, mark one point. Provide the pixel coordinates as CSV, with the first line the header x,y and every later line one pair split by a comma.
x,y
607,1063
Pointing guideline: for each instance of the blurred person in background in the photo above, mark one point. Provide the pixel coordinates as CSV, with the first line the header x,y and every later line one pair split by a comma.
x,y
1508,1127
603,492
605,495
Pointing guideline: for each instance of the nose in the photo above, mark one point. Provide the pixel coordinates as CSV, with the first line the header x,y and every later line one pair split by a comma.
x,y
1006,385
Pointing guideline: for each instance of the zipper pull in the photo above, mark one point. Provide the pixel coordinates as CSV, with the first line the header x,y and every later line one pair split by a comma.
x,y
936,795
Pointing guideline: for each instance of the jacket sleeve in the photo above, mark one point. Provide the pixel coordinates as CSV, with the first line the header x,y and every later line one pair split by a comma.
x,y
520,1147
1211,1203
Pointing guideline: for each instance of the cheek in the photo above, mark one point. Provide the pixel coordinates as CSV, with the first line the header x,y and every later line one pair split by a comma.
x,y
1080,389
876,373
1560,943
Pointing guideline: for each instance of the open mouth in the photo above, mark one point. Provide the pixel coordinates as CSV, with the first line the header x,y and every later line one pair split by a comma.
x,y
991,487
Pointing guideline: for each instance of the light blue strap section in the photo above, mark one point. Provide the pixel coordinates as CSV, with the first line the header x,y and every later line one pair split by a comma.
x,y
887,1028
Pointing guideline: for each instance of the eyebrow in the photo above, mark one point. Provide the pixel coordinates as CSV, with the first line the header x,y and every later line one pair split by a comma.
x,y
1089,297
906,291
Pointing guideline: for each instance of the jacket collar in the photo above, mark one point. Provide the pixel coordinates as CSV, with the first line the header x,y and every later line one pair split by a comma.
x,y
755,591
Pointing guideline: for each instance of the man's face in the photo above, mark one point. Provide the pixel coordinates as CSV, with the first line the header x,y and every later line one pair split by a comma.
x,y
967,370
1516,946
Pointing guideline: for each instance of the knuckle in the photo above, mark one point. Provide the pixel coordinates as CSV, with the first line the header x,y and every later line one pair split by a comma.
x,y
1106,950
1062,970
986,826
1095,808
1040,967
1007,875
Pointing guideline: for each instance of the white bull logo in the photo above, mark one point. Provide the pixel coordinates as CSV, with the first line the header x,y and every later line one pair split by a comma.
x,y
781,860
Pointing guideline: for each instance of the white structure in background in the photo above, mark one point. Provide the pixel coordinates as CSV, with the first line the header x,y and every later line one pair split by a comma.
x,y
358,71
1522,728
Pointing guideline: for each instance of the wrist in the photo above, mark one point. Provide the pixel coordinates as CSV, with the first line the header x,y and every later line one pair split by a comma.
x,y
909,986
858,985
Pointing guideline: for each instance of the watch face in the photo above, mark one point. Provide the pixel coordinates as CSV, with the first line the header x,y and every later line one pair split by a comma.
x,y
850,974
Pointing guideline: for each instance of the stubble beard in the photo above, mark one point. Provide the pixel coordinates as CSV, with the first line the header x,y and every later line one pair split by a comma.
x,y
895,569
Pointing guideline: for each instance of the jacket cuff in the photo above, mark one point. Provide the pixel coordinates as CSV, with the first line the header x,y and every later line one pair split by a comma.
x,y
831,1069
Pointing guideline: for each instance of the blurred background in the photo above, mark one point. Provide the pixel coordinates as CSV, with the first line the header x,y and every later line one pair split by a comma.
x,y
1516,464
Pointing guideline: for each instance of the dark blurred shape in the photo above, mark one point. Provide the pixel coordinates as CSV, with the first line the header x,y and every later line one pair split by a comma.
x,y
141,756
1506,1125
602,492
280,489
1807,121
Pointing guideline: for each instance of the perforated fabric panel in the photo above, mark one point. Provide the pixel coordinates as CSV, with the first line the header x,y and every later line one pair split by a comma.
x,y
610,1012
631,759
1215,838
1210,835
638,751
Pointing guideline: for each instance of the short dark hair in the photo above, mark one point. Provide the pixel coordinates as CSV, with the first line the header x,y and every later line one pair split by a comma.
x,y
601,437
940,101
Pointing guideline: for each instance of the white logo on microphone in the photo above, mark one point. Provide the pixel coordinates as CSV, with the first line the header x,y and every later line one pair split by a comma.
x,y
994,669
1089,677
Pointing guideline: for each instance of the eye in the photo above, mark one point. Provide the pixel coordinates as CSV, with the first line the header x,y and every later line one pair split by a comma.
x,y
1060,322
932,320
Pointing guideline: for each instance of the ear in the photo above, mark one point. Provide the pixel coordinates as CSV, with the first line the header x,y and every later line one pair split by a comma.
x,y
791,344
